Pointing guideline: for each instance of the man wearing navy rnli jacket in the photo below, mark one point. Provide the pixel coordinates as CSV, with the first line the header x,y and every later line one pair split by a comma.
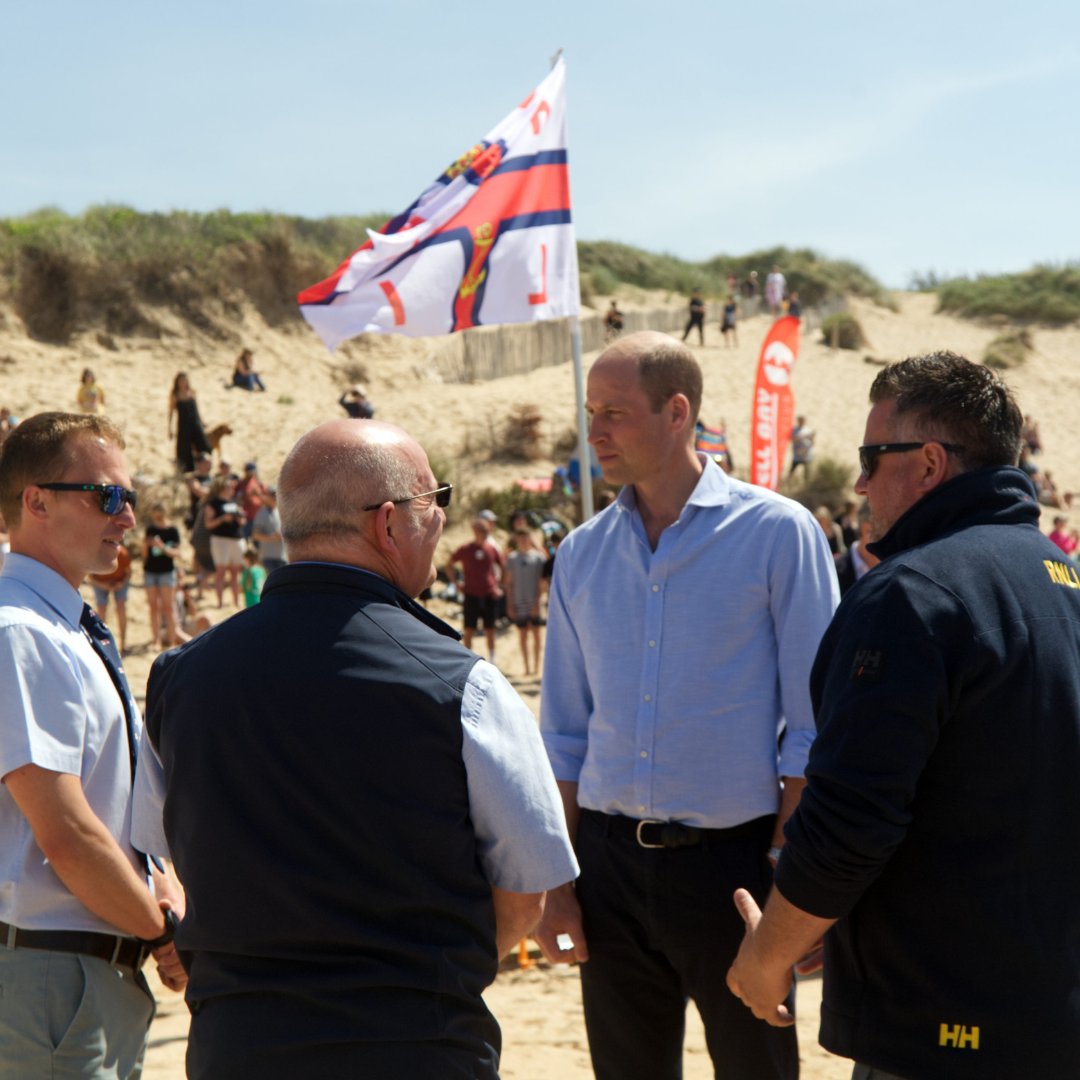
x,y
936,839
361,808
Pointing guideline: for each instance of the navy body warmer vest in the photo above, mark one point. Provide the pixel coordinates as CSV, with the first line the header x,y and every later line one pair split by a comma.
x,y
318,813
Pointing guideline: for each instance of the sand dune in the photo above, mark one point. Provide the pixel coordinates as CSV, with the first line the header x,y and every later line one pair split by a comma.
x,y
544,1036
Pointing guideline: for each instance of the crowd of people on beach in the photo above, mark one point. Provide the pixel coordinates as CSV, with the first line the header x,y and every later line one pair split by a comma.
x,y
222,543
732,770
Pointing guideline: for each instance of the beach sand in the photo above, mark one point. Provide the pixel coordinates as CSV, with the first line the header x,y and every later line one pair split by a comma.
x,y
539,1008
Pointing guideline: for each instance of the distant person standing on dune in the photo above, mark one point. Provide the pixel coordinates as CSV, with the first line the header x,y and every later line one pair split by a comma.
x,y
727,326
190,437
775,284
697,316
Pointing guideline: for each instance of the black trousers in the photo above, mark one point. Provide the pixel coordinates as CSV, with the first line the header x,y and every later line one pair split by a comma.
x,y
699,322
661,928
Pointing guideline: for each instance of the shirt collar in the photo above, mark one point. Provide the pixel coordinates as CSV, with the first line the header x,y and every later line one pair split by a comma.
x,y
46,583
712,489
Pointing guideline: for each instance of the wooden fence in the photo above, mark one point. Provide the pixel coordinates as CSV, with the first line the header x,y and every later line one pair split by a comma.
x,y
489,352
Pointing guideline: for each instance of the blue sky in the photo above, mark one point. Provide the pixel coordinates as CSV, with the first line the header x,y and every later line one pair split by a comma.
x,y
910,137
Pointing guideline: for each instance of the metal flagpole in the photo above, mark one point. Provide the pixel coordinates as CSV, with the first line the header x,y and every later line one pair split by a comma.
x,y
584,457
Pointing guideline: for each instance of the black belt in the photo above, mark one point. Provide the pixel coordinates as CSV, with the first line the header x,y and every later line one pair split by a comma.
x,y
119,951
670,834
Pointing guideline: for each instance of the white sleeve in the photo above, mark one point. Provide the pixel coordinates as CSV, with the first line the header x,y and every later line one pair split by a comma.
x,y
516,809
148,804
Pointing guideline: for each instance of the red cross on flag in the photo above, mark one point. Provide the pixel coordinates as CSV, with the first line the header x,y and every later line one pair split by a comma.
x,y
490,241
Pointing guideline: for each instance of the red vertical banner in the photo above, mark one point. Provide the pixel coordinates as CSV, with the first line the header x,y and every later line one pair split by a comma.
x,y
774,404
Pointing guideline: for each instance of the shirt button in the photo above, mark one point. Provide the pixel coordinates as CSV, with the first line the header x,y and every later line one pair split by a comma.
x,y
644,753
641,808
656,588
652,644
648,697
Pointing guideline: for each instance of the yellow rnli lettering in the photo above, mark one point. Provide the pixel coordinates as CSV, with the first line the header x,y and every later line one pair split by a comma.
x,y
1062,574
963,1038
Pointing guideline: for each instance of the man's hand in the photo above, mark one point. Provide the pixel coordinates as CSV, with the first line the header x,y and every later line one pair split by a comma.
x,y
762,987
562,916
170,971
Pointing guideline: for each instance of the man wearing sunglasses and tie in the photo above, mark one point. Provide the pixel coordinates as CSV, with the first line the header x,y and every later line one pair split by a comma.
x,y
380,790
935,840
77,917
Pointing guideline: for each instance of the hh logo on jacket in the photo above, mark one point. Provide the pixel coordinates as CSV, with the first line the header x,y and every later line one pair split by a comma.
x,y
963,1038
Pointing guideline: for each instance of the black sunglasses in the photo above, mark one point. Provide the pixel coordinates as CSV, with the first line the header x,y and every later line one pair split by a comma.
x,y
442,497
868,455
113,496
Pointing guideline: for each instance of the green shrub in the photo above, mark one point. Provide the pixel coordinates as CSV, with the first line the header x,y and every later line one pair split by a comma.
x,y
521,434
842,330
603,280
1008,350
586,290
506,501
827,483
1044,294
67,273
46,294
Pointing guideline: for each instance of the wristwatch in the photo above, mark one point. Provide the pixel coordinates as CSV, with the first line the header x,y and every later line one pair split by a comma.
x,y
165,938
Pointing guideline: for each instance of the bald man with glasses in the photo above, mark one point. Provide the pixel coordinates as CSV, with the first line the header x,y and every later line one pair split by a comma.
x,y
360,808
77,913
935,842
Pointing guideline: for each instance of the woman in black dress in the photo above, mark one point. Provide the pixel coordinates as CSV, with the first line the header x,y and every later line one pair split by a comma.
x,y
190,436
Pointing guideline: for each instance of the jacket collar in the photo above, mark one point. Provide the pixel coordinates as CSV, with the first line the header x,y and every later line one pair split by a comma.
x,y
994,496
337,577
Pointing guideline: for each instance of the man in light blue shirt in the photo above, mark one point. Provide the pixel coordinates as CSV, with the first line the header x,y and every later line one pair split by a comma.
x,y
77,917
683,623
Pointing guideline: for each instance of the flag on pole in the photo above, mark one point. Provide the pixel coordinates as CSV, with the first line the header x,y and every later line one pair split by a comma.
x,y
490,241
774,404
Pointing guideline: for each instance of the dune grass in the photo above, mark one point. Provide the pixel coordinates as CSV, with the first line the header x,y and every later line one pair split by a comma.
x,y
109,267
1044,294
813,276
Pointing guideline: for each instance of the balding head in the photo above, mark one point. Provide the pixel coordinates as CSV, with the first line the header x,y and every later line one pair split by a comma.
x,y
336,470
664,367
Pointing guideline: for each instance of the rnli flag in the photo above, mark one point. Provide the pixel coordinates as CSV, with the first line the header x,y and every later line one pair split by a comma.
x,y
490,241
774,404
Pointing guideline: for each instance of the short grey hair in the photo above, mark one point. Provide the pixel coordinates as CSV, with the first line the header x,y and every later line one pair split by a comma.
x,y
323,497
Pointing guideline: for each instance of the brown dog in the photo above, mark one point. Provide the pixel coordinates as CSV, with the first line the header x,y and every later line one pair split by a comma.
x,y
216,434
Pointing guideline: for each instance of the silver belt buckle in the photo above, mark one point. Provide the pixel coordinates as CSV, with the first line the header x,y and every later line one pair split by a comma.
x,y
641,842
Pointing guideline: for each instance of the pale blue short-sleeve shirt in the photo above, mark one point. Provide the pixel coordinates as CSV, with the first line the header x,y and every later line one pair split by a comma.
x,y
59,710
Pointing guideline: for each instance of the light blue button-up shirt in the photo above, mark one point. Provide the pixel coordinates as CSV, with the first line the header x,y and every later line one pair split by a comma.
x,y
669,673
